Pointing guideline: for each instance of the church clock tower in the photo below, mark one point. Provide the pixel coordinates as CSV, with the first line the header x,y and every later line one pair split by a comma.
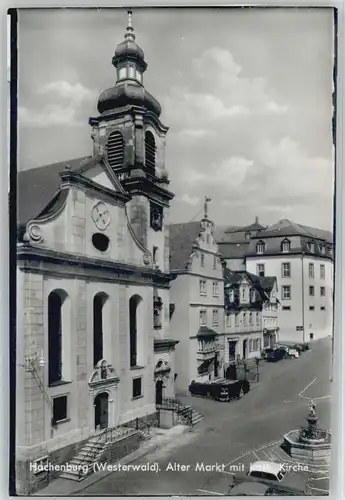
x,y
130,137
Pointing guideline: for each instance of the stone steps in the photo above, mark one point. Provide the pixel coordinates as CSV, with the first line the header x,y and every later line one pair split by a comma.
x,y
196,416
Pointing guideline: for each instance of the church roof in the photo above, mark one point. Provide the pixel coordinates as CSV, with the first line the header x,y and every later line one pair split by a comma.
x,y
37,187
182,238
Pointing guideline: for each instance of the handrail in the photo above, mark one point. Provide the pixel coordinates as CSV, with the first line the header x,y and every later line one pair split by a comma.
x,y
104,437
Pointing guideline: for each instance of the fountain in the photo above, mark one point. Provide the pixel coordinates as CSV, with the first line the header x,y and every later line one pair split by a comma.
x,y
309,442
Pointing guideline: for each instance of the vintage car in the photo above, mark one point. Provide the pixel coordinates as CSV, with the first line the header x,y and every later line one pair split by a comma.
x,y
291,351
276,355
266,478
220,390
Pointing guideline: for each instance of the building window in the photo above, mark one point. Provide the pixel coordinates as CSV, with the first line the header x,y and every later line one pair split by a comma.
x,y
56,339
286,292
115,150
257,319
322,271
260,270
214,262
134,322
215,317
253,295
260,247
202,260
285,246
137,387
258,344
322,249
311,308
203,317
250,318
244,319
311,270
228,320
322,291
59,409
237,319
286,308
311,291
202,285
247,236
323,308
243,293
231,295
286,270
215,289
98,303
150,151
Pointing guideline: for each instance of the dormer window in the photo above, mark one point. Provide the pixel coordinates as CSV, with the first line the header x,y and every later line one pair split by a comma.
x,y
231,295
311,246
285,246
322,249
247,236
260,247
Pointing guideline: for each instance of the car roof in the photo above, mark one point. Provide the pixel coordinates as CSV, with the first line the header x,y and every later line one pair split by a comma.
x,y
249,488
266,466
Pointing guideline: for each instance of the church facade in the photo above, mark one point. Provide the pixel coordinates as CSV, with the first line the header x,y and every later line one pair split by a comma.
x,y
93,279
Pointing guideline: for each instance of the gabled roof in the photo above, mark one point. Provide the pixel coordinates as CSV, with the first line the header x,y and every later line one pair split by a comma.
x,y
182,238
286,227
39,189
267,283
256,226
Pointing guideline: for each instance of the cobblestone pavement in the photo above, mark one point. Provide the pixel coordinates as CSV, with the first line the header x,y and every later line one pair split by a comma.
x,y
230,430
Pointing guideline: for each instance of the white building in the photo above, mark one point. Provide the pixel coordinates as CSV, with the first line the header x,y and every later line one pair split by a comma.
x,y
198,297
93,347
302,260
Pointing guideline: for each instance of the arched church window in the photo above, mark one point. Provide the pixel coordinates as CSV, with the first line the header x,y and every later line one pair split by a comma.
x,y
150,151
55,335
115,150
98,306
134,303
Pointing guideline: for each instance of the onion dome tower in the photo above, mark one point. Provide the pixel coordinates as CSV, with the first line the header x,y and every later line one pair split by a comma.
x,y
130,137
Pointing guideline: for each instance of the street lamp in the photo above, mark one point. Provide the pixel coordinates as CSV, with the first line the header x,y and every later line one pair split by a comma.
x,y
257,361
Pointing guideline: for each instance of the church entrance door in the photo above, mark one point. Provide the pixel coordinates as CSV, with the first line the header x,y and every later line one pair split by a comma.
x,y
101,410
159,392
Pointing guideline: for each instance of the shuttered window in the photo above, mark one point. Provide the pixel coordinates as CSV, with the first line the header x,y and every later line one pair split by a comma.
x,y
115,150
150,151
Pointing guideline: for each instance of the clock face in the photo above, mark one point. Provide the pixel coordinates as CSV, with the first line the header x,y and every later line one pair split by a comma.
x,y
101,216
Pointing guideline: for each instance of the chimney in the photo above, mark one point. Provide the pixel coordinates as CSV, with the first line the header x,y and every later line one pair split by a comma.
x,y
256,219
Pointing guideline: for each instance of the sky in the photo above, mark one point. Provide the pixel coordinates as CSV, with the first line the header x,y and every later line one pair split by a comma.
x,y
246,94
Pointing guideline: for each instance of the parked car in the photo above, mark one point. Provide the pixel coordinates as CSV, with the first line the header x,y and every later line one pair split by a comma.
x,y
220,390
274,474
276,355
266,351
256,488
290,351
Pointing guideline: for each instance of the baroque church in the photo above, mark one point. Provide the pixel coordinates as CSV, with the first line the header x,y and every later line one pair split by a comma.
x,y
93,279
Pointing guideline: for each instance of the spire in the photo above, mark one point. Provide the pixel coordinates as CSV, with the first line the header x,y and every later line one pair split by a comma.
x,y
129,35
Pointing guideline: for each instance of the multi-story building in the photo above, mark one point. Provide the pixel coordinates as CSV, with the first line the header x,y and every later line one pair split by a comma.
x,y
93,348
245,296
234,242
198,297
270,311
302,260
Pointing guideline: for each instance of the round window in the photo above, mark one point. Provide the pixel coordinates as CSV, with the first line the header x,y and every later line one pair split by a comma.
x,y
100,242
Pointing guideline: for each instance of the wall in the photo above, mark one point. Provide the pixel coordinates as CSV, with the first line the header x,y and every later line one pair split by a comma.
x,y
299,281
236,264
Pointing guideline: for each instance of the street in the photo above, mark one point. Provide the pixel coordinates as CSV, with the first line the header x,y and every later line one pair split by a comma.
x,y
232,430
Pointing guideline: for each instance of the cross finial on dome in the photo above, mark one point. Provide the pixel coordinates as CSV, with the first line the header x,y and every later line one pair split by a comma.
x,y
129,35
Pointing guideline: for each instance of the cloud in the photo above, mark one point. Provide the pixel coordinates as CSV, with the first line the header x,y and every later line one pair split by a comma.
x,y
229,172
189,200
50,115
226,94
76,93
195,133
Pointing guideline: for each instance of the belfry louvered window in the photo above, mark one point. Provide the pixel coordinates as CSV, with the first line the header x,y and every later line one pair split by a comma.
x,y
150,151
115,150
